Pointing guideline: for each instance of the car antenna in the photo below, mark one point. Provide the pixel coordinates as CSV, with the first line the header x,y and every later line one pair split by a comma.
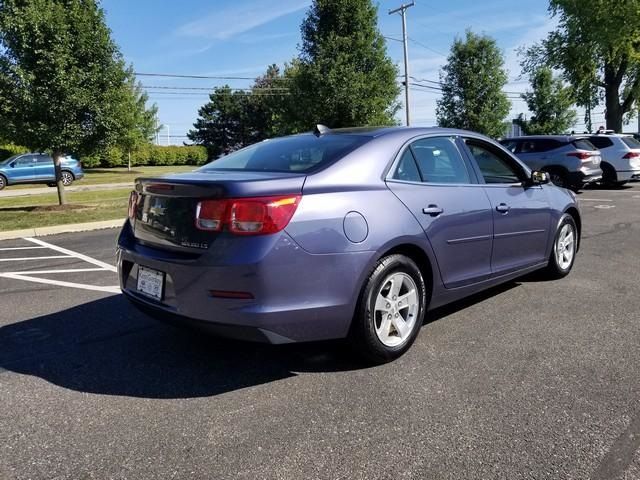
x,y
320,130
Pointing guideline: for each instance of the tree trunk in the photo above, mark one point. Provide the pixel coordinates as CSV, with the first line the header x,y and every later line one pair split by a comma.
x,y
57,159
614,111
129,165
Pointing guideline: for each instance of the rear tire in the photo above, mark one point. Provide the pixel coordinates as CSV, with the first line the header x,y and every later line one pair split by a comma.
x,y
559,179
609,176
3,182
565,246
390,310
67,178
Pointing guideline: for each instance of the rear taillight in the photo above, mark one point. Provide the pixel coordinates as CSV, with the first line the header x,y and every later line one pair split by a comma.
x,y
210,215
580,155
133,204
247,216
632,155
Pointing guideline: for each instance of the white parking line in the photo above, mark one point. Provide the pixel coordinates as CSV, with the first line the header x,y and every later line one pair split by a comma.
x,y
64,270
595,199
82,286
27,276
71,253
21,259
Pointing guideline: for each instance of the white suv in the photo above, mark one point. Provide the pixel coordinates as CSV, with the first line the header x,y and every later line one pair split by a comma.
x,y
620,157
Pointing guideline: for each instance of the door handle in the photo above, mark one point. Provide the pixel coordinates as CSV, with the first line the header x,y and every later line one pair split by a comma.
x,y
433,210
503,208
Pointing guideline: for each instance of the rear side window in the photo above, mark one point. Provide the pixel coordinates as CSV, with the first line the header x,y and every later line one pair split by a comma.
x,y
407,170
300,153
44,160
440,161
539,145
631,142
510,145
601,142
584,144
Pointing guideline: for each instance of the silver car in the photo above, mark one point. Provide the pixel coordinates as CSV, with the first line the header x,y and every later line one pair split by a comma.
x,y
571,161
620,157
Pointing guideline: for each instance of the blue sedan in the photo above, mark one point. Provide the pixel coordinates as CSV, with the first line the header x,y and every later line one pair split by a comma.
x,y
341,233
37,168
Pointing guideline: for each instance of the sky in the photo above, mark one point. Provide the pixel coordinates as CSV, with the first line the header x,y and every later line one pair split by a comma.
x,y
240,38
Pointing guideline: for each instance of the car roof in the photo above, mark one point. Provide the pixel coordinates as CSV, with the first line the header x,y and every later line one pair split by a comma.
x,y
562,138
409,131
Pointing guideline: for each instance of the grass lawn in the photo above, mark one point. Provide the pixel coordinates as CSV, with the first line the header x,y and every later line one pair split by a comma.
x,y
97,176
42,210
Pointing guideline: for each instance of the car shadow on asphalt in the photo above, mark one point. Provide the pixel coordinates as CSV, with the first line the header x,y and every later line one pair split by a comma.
x,y
108,347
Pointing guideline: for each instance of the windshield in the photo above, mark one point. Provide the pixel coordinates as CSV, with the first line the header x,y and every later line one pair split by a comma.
x,y
7,160
300,153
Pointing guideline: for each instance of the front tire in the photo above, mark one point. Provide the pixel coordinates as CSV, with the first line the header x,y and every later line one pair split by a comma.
x,y
390,311
565,246
3,182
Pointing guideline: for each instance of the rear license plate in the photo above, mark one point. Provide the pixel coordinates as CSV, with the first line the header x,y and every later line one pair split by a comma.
x,y
150,282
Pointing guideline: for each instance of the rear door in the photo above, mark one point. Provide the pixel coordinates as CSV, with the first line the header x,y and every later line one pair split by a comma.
x,y
521,215
437,184
44,168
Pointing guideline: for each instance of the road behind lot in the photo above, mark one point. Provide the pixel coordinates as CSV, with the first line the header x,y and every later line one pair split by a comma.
x,y
532,380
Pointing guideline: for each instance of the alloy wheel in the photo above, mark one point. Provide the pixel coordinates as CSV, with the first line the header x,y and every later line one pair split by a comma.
x,y
67,178
396,309
565,246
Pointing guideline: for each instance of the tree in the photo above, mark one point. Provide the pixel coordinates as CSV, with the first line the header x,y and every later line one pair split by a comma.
x,y
597,49
343,76
62,78
472,83
223,124
270,105
550,103
139,122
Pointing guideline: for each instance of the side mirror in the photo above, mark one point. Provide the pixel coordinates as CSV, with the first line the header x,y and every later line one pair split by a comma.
x,y
12,164
539,178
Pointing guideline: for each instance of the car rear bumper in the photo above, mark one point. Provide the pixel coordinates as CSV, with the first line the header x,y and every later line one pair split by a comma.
x,y
585,176
626,175
297,296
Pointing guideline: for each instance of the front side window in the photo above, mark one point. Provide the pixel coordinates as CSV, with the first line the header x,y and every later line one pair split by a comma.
x,y
494,167
440,161
300,153
25,160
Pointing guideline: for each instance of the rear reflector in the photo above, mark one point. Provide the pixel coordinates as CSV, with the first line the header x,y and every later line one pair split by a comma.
x,y
247,216
632,155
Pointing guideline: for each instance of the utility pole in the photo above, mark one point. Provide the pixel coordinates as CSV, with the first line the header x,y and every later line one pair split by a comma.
x,y
403,12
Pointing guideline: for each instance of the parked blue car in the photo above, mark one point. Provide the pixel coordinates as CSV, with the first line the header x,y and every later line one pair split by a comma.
x,y
37,168
342,233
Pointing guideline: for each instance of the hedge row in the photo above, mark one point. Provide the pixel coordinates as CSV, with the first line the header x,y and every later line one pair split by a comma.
x,y
9,150
148,155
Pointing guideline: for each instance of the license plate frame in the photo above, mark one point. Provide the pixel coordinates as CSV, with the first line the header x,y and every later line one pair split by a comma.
x,y
150,283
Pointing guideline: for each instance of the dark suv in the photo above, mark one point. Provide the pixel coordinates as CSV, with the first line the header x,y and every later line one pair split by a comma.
x,y
570,160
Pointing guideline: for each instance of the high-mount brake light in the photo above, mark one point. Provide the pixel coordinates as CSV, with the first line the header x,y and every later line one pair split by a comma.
x,y
247,216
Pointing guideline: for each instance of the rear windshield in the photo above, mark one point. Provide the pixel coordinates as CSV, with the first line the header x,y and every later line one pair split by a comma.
x,y
300,153
631,142
584,144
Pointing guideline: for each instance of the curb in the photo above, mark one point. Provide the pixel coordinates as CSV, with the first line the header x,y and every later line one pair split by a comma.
x,y
70,228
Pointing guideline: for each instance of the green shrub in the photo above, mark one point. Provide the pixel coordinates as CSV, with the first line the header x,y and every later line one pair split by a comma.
x,y
9,150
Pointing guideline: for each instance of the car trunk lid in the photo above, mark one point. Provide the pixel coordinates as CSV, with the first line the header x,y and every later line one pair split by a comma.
x,y
165,210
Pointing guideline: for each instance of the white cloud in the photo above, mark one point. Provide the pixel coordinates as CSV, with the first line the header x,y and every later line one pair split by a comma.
x,y
228,22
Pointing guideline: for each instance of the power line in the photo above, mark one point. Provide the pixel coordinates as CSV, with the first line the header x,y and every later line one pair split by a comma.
x,y
211,77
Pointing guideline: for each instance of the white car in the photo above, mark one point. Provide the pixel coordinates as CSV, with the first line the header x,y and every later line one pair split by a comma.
x,y
620,157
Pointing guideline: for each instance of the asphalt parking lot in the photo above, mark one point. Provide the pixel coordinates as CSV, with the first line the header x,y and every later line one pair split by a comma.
x,y
532,380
